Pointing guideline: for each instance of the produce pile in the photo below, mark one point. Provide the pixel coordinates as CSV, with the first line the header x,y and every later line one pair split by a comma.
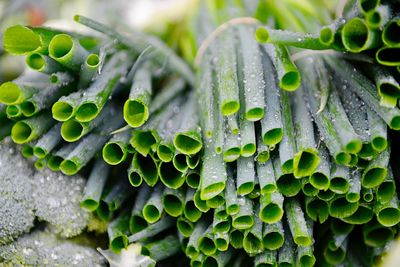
x,y
272,150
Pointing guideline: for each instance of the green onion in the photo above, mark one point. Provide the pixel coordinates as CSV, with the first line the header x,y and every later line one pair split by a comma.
x,y
43,63
236,238
179,162
340,231
367,194
103,212
266,177
221,225
153,208
271,124
244,218
206,242
376,171
115,150
305,256
306,159
253,237
162,249
232,206
14,111
286,254
185,227
152,230
273,236
391,33
58,157
287,72
320,178
376,235
326,195
192,249
65,108
379,17
367,92
173,201
216,201
218,259
213,174
139,43
335,256
188,137
118,194
137,222
288,145
252,76
193,179
296,39
143,168
15,92
271,209
90,68
340,177
388,87
322,117
221,241
368,5
95,185
97,95
317,209
191,212
386,190
307,188
297,223
228,88
266,258
263,153
287,184
353,195
348,137
67,50
47,142
363,215
19,40
245,175
40,164
388,214
340,207
378,131
29,129
118,231
136,111
27,150
387,56
205,94
357,36
231,148
193,161
199,203
170,176
82,153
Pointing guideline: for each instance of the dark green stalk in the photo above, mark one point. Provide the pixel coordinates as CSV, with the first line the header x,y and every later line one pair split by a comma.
x,y
363,215
287,72
231,199
191,212
58,157
287,147
162,249
317,209
95,185
118,231
192,249
266,177
376,235
137,222
30,129
185,227
340,177
136,111
244,219
47,142
340,207
173,201
245,175
193,178
297,223
386,190
376,171
388,214
391,33
43,63
358,37
273,236
306,160
115,150
286,255
152,230
89,70
353,195
153,208
253,237
206,242
287,184
271,209
320,178
271,124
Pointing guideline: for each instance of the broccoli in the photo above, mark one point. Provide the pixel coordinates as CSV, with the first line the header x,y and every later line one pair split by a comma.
x,y
42,248
26,194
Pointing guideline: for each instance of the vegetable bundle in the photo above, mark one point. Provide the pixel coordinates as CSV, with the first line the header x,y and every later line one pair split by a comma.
x,y
280,156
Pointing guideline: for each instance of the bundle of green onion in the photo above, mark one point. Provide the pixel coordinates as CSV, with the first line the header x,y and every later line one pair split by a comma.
x,y
276,158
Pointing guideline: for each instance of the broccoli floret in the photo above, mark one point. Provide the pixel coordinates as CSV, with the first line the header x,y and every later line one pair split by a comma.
x,y
57,200
42,248
52,197
15,219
